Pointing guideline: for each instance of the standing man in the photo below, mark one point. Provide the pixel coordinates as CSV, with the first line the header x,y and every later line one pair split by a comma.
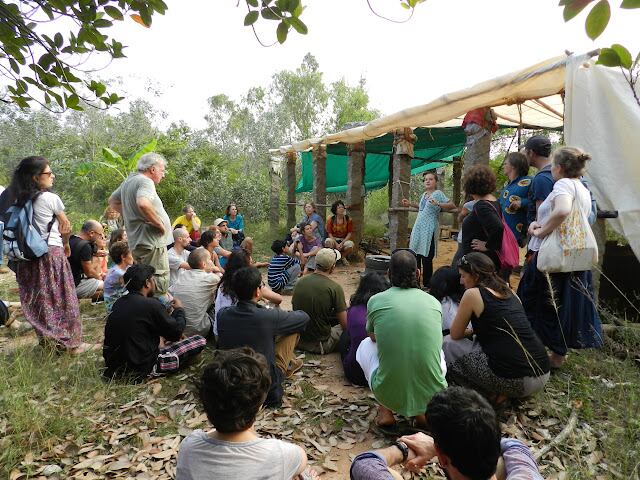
x,y
147,223
402,359
538,152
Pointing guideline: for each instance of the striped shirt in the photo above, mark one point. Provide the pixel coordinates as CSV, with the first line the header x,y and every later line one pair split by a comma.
x,y
277,275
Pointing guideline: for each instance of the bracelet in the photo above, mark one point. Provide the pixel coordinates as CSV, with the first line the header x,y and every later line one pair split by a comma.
x,y
403,448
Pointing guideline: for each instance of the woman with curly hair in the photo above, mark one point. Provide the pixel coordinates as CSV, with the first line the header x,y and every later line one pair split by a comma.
x,y
482,229
340,231
46,286
425,231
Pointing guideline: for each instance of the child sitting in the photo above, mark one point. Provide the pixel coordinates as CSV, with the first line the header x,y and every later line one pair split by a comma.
x,y
114,286
283,270
308,246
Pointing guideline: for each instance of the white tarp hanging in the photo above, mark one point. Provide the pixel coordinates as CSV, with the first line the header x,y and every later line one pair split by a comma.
x,y
530,96
603,118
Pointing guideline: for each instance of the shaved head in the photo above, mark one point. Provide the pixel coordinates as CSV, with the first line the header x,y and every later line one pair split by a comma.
x,y
199,256
179,233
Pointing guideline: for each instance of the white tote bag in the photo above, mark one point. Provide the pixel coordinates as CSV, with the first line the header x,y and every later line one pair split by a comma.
x,y
572,246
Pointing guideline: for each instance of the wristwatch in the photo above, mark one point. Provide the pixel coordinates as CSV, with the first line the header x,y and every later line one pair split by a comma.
x,y
403,448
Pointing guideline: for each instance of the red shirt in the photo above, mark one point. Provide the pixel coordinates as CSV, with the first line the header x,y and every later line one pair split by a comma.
x,y
339,230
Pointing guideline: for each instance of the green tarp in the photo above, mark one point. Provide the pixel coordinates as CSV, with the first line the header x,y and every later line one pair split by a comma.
x,y
432,144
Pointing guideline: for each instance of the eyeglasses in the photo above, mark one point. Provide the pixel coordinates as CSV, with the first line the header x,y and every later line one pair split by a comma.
x,y
48,174
404,250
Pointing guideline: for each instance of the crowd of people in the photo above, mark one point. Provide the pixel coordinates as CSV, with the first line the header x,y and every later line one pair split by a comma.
x,y
172,287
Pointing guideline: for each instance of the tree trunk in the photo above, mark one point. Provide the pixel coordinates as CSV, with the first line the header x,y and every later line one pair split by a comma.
x,y
274,194
403,142
355,189
457,187
320,179
291,189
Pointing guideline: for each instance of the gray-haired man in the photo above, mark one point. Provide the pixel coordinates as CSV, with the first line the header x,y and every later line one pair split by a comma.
x,y
147,223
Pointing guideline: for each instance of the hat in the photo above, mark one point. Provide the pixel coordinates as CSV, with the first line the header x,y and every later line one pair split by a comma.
x,y
327,257
540,145
218,221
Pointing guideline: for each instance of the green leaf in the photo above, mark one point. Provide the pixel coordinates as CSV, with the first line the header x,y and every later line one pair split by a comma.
x,y
573,8
251,18
72,100
149,147
112,157
271,13
57,38
113,12
405,6
598,19
253,3
300,27
46,60
282,31
625,56
630,4
609,58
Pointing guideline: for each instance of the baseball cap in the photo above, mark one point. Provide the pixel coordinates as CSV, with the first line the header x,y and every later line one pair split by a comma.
x,y
327,257
540,145
218,221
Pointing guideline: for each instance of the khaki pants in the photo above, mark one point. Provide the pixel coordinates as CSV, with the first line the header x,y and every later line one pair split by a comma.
x,y
284,351
326,346
156,257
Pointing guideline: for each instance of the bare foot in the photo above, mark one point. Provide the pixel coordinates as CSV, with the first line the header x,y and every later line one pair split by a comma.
x,y
84,348
556,361
385,417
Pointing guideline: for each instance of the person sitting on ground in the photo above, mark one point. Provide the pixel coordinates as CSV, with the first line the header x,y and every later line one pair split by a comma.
x,y
100,254
210,244
323,299
226,239
114,286
312,217
235,224
196,289
465,440
222,253
512,361
402,359
269,331
370,284
117,235
232,389
190,221
308,246
445,287
225,296
111,219
178,255
137,325
87,274
284,270
340,231
247,246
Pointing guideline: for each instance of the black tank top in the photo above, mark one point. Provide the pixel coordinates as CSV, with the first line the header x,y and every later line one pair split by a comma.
x,y
507,338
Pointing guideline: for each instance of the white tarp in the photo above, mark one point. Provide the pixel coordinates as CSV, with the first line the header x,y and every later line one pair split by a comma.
x,y
530,96
603,118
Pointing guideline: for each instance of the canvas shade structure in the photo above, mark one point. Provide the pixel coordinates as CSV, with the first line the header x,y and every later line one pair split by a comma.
x,y
434,147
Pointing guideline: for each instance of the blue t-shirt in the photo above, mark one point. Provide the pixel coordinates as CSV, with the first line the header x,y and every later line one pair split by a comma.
x,y
541,187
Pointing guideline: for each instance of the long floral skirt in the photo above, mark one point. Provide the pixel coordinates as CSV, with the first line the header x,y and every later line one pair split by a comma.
x,y
48,297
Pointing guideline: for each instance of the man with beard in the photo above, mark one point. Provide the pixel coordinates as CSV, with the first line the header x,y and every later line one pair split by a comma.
x,y
141,339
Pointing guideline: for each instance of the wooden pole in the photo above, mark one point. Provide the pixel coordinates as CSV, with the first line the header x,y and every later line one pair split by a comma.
x,y
457,186
355,188
403,141
478,144
320,178
291,189
274,195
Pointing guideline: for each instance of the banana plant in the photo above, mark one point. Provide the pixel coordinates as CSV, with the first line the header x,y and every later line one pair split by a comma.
x,y
114,161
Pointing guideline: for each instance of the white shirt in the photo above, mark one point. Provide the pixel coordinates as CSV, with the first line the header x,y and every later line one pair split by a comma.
x,y
46,206
195,289
175,260
564,186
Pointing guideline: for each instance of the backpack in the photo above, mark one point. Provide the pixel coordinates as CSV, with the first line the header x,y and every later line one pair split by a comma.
x,y
509,253
22,240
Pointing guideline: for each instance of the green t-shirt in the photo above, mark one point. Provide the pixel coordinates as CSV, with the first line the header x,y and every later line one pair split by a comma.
x,y
407,323
322,299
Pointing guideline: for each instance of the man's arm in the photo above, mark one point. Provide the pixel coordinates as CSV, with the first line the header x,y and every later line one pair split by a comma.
x,y
115,200
170,326
145,206
287,323
342,319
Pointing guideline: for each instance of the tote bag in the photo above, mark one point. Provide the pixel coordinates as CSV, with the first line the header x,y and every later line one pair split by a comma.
x,y
571,247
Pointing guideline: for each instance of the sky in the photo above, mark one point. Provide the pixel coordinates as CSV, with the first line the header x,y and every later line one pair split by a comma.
x,y
200,48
